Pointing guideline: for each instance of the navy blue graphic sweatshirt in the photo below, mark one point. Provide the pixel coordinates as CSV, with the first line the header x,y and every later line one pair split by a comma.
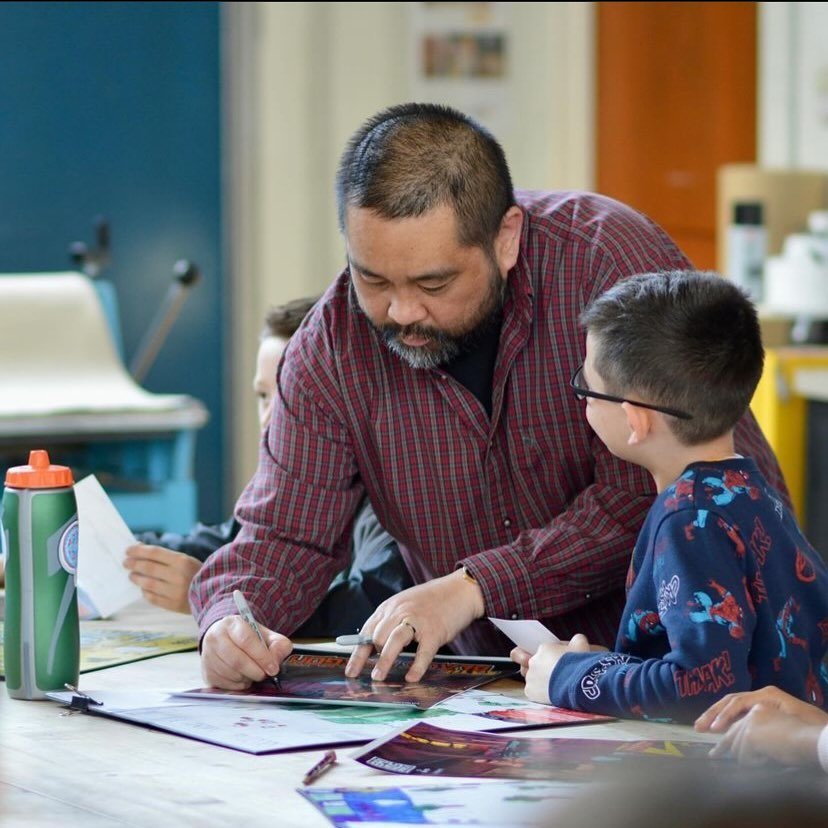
x,y
724,593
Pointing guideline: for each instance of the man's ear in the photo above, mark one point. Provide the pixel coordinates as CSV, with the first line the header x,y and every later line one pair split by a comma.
x,y
507,242
640,421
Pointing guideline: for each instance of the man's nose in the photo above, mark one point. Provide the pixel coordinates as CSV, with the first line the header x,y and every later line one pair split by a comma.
x,y
407,310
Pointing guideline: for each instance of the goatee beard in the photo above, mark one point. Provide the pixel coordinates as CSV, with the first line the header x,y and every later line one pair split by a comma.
x,y
443,347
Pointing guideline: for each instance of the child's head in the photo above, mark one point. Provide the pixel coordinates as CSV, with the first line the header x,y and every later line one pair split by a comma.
x,y
686,341
280,324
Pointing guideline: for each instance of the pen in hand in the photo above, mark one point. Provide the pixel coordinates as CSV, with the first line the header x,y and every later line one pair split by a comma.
x,y
324,764
357,640
244,610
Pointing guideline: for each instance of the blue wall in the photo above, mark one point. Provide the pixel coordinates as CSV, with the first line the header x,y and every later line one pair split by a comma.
x,y
113,109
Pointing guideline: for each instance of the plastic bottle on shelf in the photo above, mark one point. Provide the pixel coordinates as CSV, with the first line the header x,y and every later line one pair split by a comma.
x,y
747,248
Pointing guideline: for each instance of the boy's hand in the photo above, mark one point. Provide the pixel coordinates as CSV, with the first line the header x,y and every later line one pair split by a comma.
x,y
719,716
163,575
768,733
521,657
232,657
543,662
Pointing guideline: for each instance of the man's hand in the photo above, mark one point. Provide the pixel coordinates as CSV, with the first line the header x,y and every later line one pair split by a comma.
x,y
719,716
432,614
537,668
232,657
767,732
163,575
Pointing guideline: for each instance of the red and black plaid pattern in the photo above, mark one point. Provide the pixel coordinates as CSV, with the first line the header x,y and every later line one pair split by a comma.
x,y
529,500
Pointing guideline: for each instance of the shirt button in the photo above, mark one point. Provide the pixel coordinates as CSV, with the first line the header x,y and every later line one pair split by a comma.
x,y
588,596
513,616
506,522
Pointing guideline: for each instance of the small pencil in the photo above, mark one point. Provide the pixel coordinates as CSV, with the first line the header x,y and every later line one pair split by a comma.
x,y
323,765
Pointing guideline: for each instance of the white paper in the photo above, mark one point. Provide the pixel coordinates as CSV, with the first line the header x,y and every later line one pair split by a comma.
x,y
527,634
265,727
103,537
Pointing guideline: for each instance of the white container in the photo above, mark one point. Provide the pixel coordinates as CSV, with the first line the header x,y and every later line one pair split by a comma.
x,y
747,248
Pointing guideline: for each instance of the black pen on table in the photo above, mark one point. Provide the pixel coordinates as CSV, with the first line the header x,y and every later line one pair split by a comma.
x,y
244,610
324,764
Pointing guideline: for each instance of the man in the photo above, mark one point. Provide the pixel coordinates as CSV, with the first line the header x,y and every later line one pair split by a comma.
x,y
433,374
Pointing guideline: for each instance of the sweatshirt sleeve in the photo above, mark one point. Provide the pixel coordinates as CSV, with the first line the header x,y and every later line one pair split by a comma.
x,y
199,543
698,584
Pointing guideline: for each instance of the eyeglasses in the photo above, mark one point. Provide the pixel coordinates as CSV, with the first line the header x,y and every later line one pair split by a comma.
x,y
581,393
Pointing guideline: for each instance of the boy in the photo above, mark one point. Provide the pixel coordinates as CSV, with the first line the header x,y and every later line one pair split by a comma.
x,y
164,565
723,593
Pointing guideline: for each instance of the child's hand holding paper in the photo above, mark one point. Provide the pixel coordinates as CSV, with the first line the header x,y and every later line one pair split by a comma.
x,y
538,652
528,634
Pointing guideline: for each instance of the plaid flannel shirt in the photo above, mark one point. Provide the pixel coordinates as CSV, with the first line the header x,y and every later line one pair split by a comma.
x,y
530,500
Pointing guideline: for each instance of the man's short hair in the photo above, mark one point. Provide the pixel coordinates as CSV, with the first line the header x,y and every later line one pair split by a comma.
x,y
409,159
284,320
687,340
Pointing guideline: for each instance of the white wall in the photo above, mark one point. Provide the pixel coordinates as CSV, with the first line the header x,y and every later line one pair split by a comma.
x,y
300,78
793,85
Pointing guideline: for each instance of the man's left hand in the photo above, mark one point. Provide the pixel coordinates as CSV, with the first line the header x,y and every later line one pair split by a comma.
x,y
432,614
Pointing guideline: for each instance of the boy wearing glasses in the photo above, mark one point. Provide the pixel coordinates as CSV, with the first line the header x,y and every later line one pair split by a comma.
x,y
724,593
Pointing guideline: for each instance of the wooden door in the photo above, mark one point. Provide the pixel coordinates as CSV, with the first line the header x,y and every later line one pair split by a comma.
x,y
676,99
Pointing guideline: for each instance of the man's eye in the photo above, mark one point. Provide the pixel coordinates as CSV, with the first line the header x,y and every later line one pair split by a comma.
x,y
366,277
432,289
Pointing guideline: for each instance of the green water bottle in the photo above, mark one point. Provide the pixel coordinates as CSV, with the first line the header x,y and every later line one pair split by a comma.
x,y
39,526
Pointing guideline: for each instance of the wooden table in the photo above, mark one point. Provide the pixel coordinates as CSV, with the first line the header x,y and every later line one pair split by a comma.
x,y
94,771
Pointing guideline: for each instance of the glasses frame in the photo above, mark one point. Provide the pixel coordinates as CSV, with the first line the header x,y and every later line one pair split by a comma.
x,y
582,393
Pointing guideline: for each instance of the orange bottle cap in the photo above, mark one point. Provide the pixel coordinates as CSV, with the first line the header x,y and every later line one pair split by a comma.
x,y
39,474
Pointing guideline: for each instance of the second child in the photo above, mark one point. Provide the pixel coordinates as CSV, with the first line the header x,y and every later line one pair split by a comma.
x,y
724,593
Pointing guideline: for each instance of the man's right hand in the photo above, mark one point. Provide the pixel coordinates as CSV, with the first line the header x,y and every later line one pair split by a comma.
x,y
232,657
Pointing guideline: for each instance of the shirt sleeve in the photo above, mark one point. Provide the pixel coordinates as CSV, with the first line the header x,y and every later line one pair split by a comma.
x,y
297,512
708,619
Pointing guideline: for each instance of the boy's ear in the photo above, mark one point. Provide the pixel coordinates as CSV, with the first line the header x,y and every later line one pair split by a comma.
x,y
640,421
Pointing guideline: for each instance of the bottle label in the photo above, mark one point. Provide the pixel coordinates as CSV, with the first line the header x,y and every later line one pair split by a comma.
x,y
68,548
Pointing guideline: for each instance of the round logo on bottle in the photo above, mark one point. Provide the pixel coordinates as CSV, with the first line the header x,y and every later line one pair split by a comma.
x,y
68,548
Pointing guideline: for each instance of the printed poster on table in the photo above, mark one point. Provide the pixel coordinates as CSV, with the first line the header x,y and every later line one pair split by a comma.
x,y
427,750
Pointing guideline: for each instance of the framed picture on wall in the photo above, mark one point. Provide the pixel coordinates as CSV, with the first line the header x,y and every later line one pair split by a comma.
x,y
459,55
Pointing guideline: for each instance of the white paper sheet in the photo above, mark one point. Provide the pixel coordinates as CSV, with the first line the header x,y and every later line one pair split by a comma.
x,y
103,583
527,634
266,728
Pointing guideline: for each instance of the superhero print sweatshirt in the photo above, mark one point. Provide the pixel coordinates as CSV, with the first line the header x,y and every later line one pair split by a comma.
x,y
724,593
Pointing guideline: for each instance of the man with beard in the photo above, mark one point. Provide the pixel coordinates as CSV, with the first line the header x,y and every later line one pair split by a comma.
x,y
434,375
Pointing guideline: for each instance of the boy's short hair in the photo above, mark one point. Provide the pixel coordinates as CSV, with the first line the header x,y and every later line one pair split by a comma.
x,y
284,320
684,339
